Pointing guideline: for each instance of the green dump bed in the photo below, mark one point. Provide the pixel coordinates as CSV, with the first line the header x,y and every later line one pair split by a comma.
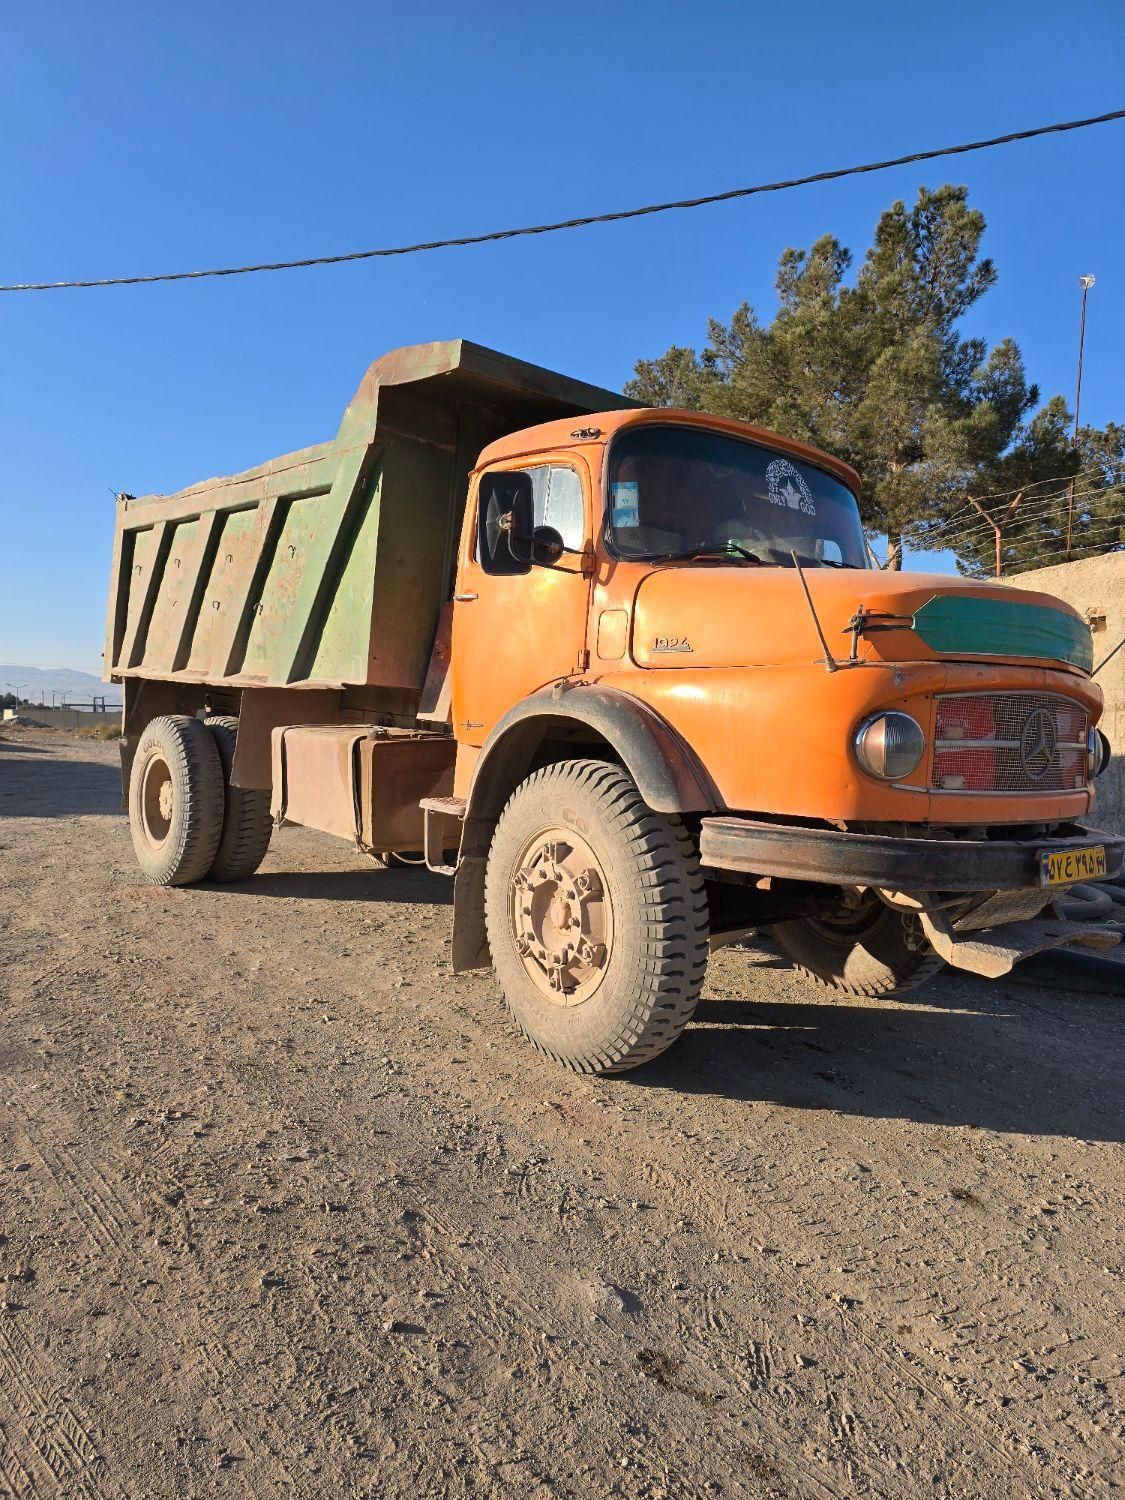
x,y
327,567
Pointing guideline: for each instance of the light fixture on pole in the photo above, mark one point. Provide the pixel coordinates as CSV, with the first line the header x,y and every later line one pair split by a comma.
x,y
1085,282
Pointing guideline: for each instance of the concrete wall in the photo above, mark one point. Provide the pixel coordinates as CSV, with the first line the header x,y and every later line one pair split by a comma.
x,y
66,718
1096,588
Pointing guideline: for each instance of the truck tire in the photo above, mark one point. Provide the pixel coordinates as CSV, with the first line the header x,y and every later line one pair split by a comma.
x,y
176,800
877,952
247,823
597,918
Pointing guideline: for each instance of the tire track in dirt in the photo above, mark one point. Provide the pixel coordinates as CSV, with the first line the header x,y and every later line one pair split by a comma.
x,y
512,1320
694,1174
728,1223
509,1318
115,1226
16,1481
778,1210
51,1421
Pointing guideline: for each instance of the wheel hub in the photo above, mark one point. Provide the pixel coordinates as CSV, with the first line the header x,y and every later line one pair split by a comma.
x,y
158,801
561,916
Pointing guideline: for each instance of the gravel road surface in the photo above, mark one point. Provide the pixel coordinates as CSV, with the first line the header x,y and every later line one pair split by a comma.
x,y
288,1209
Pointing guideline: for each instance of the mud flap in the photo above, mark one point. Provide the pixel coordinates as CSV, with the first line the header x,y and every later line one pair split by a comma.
x,y
993,951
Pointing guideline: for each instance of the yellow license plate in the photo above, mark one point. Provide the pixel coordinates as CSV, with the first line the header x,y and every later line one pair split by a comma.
x,y
1069,866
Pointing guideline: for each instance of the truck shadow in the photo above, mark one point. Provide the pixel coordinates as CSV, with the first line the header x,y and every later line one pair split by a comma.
x,y
1032,1061
49,788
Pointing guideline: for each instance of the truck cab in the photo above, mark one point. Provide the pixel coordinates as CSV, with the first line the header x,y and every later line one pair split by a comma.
x,y
884,767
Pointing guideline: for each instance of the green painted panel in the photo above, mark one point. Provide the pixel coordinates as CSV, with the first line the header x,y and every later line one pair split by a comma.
x,y
287,585
962,624
414,543
225,589
341,652
175,594
140,562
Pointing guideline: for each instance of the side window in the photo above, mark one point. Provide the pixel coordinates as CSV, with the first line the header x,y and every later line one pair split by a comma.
x,y
556,497
563,509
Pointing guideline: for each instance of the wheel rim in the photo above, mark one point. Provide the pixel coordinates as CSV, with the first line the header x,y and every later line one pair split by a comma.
x,y
851,927
158,800
561,916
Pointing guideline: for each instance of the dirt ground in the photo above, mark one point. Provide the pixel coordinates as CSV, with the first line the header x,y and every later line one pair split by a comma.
x,y
287,1209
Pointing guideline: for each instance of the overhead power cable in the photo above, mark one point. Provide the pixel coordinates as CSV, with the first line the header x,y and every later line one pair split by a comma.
x,y
459,241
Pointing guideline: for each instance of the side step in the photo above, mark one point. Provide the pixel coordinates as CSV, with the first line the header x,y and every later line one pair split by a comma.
x,y
994,951
439,813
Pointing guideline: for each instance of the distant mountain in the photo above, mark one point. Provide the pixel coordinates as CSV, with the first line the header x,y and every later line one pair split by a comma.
x,y
36,684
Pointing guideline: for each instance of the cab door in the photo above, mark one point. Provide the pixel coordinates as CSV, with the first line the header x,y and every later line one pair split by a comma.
x,y
518,627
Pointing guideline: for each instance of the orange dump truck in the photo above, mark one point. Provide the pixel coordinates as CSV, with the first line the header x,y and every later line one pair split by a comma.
x,y
627,676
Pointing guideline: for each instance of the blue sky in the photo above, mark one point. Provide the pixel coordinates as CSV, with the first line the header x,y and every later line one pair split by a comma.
x,y
140,138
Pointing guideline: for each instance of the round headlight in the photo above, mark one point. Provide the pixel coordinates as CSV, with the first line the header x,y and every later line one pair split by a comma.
x,y
1098,753
889,745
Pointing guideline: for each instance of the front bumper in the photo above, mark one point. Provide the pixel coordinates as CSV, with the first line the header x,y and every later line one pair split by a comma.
x,y
901,864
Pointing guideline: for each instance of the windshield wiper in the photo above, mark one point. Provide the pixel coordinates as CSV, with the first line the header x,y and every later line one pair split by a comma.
x,y
823,562
730,551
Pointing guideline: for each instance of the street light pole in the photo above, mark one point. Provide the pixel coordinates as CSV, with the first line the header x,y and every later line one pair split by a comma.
x,y
1085,282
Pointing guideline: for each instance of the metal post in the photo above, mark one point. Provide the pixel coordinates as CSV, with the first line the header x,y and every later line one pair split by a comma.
x,y
1085,282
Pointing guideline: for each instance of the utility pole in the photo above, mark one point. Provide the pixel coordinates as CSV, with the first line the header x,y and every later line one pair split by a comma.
x,y
16,687
1085,282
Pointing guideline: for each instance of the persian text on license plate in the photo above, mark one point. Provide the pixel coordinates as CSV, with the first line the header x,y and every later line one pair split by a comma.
x,y
1067,866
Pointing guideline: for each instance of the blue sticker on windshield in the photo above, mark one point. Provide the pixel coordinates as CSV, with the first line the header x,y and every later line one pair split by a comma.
x,y
626,502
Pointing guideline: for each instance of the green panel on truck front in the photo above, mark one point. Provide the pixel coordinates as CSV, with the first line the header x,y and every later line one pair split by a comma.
x,y
952,624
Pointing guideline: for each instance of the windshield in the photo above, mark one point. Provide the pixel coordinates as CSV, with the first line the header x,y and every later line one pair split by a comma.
x,y
684,491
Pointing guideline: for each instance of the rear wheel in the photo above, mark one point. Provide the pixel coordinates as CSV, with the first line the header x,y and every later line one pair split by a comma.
x,y
597,918
870,949
247,824
176,800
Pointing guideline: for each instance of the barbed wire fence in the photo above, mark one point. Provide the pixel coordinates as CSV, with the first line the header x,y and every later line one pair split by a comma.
x,y
1015,531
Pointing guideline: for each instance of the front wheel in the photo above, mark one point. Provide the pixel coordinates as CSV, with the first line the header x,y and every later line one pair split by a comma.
x,y
871,949
597,918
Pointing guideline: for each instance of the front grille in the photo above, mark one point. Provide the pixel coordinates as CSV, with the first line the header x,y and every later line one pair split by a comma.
x,y
1009,742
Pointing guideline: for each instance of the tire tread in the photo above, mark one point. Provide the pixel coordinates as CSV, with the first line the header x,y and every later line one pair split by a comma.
x,y
247,821
193,759
670,959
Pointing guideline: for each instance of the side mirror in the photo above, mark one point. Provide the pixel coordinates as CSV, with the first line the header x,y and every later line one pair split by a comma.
x,y
547,546
505,522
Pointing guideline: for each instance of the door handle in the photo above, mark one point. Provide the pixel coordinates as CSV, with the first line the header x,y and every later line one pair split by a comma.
x,y
463,598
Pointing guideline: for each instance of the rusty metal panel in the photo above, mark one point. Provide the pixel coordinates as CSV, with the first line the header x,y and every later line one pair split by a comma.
x,y
261,711
314,776
329,566
360,783
436,705
397,769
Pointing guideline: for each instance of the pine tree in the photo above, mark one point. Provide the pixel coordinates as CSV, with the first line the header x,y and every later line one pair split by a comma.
x,y
876,371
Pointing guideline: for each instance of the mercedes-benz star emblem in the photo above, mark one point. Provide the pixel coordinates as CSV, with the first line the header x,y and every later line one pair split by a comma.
x,y
1037,743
